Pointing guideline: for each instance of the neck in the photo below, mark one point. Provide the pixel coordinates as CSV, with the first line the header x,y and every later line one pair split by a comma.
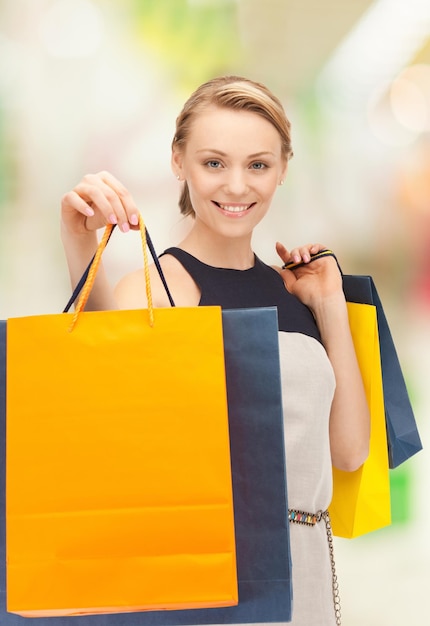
x,y
219,251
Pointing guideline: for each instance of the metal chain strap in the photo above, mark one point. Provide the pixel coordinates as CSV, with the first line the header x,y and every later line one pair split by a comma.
x,y
335,584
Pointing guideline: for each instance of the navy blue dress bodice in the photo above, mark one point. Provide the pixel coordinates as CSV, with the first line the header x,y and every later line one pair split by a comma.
x,y
259,286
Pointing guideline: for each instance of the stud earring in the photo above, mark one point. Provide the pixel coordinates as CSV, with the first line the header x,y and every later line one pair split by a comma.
x,y
281,182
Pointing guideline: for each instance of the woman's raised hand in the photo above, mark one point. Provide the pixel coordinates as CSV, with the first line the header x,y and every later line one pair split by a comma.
x,y
312,282
98,200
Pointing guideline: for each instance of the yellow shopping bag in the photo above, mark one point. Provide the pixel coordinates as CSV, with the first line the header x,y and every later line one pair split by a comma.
x,y
118,479
361,499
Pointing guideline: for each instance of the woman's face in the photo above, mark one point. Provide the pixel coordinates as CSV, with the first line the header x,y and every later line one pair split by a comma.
x,y
232,163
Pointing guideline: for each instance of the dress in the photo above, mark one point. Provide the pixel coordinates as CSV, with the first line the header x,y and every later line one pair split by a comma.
x,y
307,388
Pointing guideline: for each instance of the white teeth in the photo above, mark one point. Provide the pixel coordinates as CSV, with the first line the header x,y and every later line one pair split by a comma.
x,y
234,209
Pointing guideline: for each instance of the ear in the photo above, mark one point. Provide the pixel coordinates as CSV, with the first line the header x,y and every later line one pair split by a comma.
x,y
176,163
284,170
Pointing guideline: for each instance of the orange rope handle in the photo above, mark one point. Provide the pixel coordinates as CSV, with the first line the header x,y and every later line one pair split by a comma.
x,y
86,289
146,271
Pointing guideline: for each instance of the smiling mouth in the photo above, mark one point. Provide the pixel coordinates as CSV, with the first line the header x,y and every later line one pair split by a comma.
x,y
235,208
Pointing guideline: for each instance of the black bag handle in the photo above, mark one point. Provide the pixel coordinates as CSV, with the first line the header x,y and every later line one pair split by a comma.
x,y
318,255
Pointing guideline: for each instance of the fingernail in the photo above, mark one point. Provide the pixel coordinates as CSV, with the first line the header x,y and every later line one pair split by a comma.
x,y
134,220
89,212
306,258
125,227
112,219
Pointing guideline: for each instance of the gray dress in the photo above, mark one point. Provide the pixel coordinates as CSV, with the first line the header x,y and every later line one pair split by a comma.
x,y
308,385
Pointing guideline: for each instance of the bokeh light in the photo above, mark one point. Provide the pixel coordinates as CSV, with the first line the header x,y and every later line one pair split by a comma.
x,y
71,28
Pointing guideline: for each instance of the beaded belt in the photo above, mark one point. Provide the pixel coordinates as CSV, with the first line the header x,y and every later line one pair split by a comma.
x,y
301,517
310,519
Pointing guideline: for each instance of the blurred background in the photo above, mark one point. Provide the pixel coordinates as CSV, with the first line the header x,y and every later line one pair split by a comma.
x,y
87,85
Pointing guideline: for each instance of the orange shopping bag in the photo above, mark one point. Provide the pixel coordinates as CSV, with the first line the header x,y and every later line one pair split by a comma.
x,y
118,484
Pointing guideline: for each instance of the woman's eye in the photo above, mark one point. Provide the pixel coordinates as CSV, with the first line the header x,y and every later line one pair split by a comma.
x,y
258,166
213,164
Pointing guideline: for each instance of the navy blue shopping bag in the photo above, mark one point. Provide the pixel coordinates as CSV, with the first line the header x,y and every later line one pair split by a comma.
x,y
402,432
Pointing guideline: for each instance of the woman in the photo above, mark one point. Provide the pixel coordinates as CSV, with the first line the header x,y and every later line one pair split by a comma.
x,y
230,152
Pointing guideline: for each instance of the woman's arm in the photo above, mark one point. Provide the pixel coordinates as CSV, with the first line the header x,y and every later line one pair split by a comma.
x,y
349,417
319,286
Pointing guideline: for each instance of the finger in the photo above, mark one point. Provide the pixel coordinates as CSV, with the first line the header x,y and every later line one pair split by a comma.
x,y
299,255
289,258
130,210
104,193
282,251
72,200
97,190
304,253
102,199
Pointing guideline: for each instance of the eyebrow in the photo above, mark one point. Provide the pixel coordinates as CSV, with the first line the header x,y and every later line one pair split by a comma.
x,y
250,156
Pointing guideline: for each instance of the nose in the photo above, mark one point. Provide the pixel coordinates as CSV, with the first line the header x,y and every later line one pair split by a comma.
x,y
236,182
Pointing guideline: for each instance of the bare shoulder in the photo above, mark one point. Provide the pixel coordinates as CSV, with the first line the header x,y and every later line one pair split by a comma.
x,y
184,290
130,292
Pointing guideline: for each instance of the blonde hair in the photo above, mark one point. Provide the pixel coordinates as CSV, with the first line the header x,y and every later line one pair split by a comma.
x,y
231,92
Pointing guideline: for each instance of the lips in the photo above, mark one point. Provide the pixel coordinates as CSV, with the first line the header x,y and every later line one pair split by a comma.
x,y
231,208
